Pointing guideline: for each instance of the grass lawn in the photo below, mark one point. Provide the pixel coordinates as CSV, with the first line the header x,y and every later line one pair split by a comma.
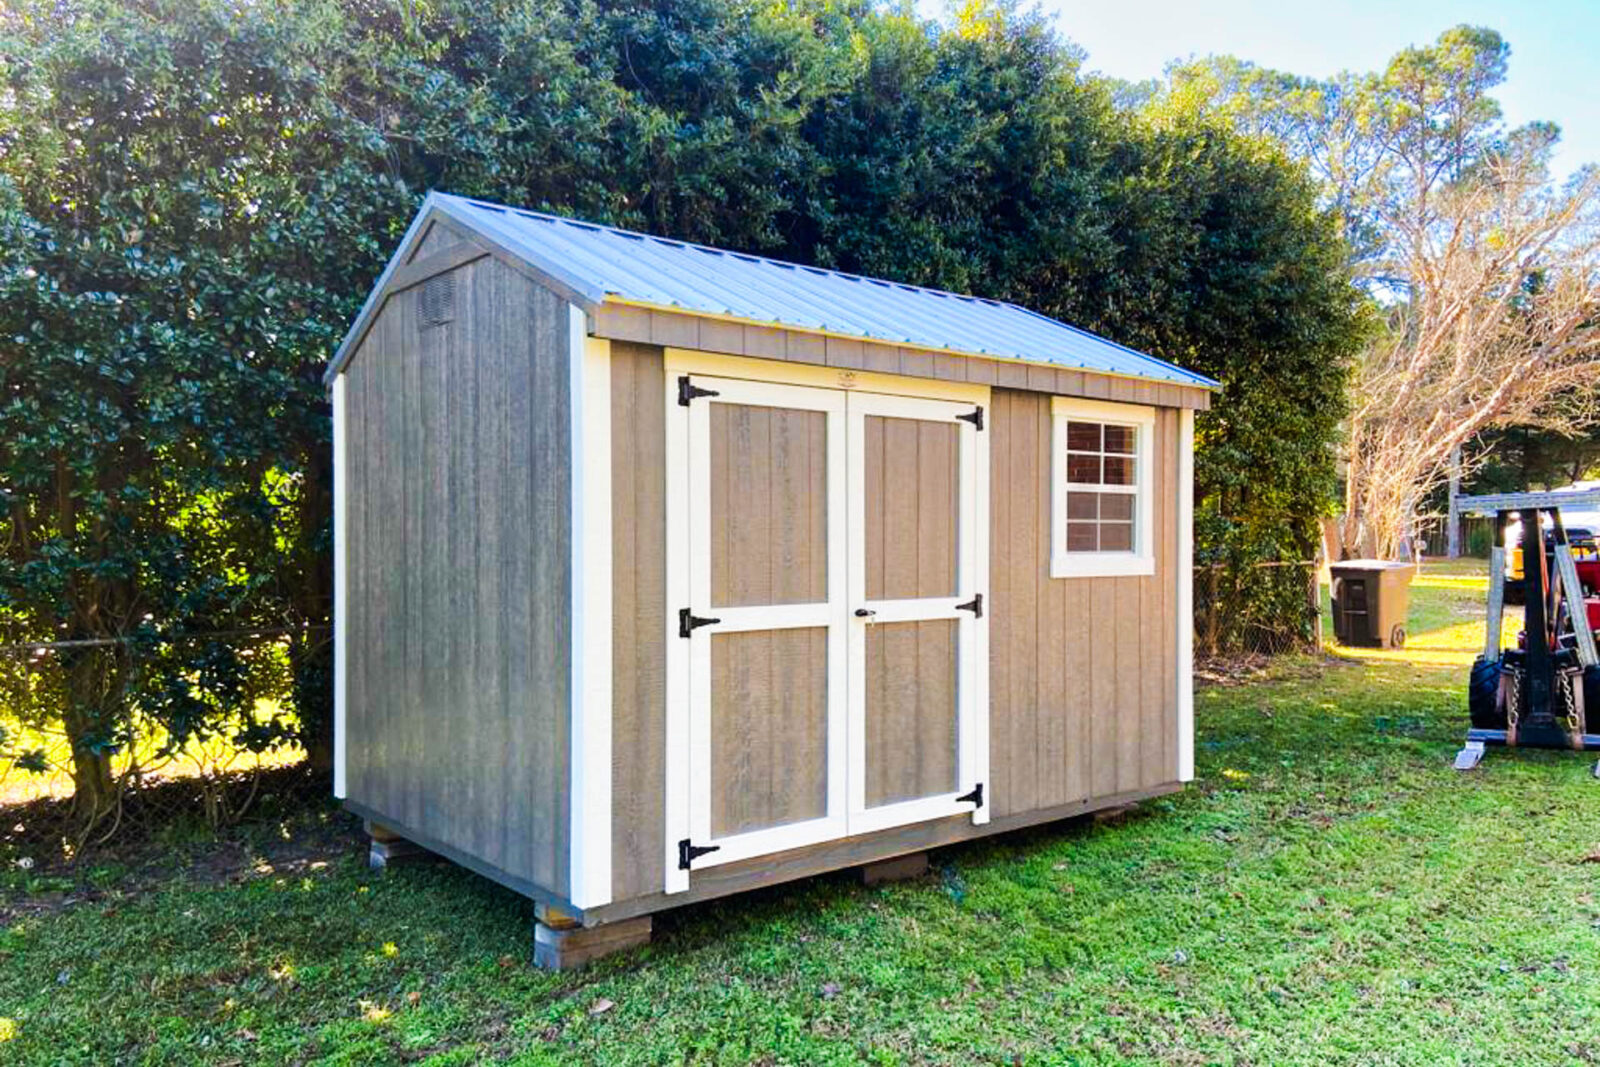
x,y
1329,892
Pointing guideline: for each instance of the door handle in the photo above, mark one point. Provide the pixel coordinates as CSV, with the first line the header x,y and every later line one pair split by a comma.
x,y
865,613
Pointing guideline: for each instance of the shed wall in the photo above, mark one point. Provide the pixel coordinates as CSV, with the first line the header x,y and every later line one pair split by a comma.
x,y
458,547
1083,670
639,612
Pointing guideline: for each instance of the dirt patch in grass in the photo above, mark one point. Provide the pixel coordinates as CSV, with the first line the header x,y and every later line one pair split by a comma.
x,y
291,827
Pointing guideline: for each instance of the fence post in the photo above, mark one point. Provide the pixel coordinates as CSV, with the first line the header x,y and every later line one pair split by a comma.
x,y
1314,591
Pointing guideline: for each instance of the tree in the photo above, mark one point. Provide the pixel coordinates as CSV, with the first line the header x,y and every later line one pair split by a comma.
x,y
180,200
1483,268
195,197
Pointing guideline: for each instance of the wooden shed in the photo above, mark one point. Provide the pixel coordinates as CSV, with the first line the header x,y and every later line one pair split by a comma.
x,y
663,572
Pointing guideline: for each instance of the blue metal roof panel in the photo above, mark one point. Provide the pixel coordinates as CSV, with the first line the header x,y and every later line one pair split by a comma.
x,y
696,279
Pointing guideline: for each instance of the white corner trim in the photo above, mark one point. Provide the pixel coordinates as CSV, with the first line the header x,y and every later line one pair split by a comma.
x,y
341,578
675,804
1185,595
589,877
1141,561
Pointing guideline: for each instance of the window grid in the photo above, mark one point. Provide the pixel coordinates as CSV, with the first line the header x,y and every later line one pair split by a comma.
x,y
1102,487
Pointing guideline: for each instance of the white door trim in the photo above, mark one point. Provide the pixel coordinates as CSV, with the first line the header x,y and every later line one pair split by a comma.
x,y
686,361
745,380
691,688
972,572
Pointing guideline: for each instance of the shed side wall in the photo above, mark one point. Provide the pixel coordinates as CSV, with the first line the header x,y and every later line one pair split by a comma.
x,y
1083,675
639,655
1083,670
459,554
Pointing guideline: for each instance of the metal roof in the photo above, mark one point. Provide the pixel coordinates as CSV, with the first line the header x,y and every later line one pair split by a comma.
x,y
607,264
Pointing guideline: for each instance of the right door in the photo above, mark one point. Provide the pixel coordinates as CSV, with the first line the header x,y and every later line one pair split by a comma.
x,y
917,552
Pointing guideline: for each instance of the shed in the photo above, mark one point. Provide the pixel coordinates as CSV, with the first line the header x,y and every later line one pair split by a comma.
x,y
664,572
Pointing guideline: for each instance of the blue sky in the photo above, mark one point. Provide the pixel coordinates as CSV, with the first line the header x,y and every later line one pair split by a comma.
x,y
1555,45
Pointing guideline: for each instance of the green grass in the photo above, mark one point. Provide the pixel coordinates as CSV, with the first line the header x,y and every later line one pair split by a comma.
x,y
1329,892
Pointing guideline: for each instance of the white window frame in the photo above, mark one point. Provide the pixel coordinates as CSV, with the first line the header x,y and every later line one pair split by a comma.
x,y
1141,560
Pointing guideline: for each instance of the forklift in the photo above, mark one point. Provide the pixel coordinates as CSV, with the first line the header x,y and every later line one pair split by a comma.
x,y
1544,692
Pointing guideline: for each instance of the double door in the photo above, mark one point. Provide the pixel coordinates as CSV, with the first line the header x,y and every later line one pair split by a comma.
x,y
829,627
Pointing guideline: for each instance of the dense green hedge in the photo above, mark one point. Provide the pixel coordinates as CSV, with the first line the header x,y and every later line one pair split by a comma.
x,y
195,197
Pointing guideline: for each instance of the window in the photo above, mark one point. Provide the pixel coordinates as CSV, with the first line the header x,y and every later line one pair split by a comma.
x,y
1100,515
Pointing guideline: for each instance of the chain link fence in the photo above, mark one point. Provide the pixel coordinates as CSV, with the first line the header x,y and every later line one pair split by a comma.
x,y
1264,608
181,756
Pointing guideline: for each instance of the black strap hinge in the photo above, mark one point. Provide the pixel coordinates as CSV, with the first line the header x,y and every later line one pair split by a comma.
x,y
975,797
688,391
975,605
688,622
975,416
688,851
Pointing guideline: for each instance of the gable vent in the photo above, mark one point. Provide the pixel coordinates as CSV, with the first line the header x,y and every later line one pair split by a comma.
x,y
438,305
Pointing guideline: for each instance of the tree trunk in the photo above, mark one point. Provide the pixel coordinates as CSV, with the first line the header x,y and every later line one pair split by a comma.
x,y
311,653
87,721
1452,549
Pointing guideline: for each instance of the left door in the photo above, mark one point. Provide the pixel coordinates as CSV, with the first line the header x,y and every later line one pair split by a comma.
x,y
767,623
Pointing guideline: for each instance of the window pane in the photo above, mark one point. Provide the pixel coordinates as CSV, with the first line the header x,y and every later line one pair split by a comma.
x,y
1084,470
1116,537
1083,505
1082,537
1118,506
1083,437
1119,471
1120,439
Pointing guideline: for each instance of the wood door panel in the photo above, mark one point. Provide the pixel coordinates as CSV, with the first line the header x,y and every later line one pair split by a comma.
x,y
912,495
769,505
911,735
769,729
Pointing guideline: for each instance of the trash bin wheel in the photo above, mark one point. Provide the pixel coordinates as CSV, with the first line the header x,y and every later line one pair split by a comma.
x,y
1397,637
1483,695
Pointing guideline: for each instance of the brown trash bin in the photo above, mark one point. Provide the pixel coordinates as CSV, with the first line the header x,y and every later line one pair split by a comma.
x,y
1370,599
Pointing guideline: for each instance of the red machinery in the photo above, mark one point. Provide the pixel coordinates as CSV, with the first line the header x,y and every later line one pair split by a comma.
x,y
1545,692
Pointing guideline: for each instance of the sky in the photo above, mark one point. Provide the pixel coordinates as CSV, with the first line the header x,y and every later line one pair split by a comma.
x,y
1554,72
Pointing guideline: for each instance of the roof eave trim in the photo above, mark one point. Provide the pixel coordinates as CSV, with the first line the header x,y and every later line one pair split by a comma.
x,y
1197,381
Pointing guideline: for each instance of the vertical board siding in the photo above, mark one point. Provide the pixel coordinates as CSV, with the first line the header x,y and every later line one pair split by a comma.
x,y
911,710
639,611
912,489
460,573
438,238
1082,675
769,516
1083,687
769,729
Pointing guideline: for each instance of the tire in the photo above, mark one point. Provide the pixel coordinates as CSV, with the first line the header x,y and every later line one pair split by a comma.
x,y
1591,699
1483,695
1397,637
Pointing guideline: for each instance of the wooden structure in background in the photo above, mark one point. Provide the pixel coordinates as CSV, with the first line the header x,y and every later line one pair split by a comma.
x,y
664,572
